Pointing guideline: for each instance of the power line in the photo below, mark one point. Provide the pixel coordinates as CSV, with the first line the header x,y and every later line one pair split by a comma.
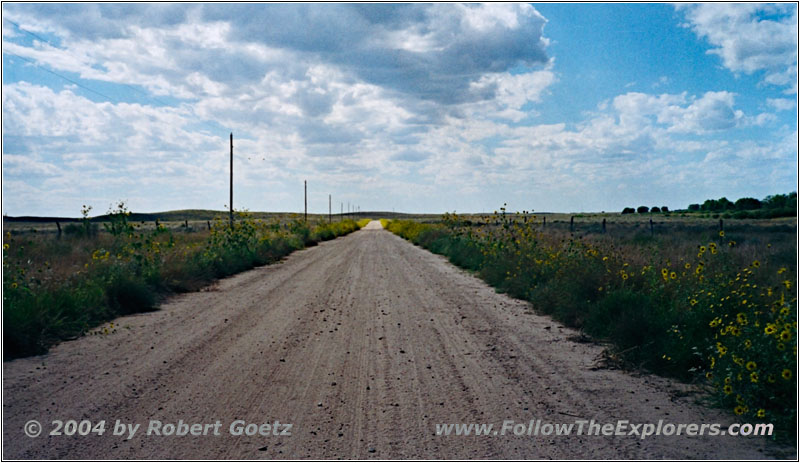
x,y
59,75
32,34
85,87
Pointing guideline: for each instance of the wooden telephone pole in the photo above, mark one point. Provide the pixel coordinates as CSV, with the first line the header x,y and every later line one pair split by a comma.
x,y
305,201
231,198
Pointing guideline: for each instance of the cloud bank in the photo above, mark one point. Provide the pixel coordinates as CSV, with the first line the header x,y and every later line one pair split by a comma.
x,y
425,107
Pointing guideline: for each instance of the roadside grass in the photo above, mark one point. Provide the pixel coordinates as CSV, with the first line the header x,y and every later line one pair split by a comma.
x,y
56,289
713,307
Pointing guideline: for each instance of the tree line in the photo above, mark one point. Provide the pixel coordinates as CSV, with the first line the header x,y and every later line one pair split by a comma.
x,y
645,209
780,205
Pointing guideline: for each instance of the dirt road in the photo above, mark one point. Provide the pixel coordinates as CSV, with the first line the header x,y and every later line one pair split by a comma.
x,y
363,344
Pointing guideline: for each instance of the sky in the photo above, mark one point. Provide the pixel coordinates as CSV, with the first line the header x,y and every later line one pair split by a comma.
x,y
406,107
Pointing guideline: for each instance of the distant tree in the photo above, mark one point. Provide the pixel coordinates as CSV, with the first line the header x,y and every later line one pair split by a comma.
x,y
664,209
655,209
772,201
775,201
780,205
747,204
710,205
628,210
717,205
724,204
791,203
642,209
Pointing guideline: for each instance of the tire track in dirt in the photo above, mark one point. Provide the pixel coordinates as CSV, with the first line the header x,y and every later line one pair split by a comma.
x,y
364,344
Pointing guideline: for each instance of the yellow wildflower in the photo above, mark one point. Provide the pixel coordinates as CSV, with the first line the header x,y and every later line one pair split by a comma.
x,y
727,389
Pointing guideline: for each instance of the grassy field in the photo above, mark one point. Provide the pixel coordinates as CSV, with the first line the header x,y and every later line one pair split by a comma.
x,y
188,220
687,300
57,287
194,220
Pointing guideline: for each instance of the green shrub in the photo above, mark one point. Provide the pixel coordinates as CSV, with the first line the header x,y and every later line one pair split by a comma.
x,y
127,294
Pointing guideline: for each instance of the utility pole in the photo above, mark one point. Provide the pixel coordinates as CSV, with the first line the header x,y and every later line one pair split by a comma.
x,y
305,201
330,216
231,198
341,212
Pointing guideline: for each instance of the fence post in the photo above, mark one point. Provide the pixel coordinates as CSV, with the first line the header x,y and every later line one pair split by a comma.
x,y
604,224
186,223
208,222
720,225
571,223
544,221
59,229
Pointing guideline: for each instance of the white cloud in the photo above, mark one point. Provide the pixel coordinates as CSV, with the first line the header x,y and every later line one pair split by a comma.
x,y
663,80
782,104
636,134
714,111
428,52
512,91
14,164
635,109
750,37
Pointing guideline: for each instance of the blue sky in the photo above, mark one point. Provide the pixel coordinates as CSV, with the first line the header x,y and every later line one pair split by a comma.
x,y
418,108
